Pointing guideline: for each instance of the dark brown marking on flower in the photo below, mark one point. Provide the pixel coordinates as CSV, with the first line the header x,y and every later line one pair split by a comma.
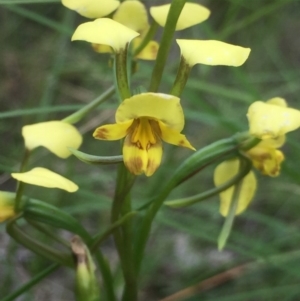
x,y
154,50
181,142
275,171
135,165
264,156
101,133
155,128
138,144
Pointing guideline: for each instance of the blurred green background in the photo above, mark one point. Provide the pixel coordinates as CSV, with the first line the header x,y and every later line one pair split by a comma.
x,y
44,77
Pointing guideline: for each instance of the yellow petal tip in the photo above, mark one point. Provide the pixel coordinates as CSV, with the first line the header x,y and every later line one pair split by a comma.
x,y
211,52
40,176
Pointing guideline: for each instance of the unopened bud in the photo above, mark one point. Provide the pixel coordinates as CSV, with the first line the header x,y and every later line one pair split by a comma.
x,y
87,288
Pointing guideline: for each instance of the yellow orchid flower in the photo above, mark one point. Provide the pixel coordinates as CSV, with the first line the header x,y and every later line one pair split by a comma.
x,y
211,52
92,8
7,203
265,156
272,119
56,136
191,14
269,121
46,178
145,120
133,14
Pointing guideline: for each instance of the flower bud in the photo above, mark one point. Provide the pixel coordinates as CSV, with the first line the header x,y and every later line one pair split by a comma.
x,y
87,288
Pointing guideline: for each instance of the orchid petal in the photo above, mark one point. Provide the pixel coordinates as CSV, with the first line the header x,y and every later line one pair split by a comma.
x,y
173,137
139,160
46,178
112,131
211,52
266,159
132,14
105,31
149,52
278,101
92,8
154,158
267,120
191,15
157,106
56,136
223,173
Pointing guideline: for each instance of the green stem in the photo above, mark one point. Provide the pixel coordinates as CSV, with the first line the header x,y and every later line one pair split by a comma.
x,y
146,227
116,207
106,275
165,44
209,193
148,37
96,160
36,246
103,266
36,279
130,290
99,238
181,78
200,159
249,143
48,232
121,73
45,213
21,185
77,116
189,167
123,236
